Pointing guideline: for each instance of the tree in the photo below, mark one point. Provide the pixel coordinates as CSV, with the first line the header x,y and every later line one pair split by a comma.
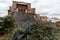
x,y
7,24
39,31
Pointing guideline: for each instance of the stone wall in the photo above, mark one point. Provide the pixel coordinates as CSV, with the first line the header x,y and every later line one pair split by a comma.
x,y
22,12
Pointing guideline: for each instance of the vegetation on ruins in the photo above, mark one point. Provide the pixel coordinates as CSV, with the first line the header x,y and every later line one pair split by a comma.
x,y
44,31
41,31
33,29
29,31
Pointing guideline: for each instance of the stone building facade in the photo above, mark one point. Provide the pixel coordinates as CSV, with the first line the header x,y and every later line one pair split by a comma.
x,y
21,7
22,12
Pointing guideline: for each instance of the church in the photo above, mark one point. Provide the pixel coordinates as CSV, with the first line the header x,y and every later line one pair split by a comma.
x,y
22,12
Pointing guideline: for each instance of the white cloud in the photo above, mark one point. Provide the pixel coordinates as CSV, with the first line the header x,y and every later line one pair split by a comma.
x,y
3,13
4,5
44,7
50,7
30,1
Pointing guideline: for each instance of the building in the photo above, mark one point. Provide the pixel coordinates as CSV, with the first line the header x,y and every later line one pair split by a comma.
x,y
22,12
20,7
43,18
54,19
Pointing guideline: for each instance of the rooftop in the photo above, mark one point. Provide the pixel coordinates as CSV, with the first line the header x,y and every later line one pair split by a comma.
x,y
21,2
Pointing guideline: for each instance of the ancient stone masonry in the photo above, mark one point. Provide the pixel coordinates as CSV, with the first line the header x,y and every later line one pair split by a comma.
x,y
21,7
22,12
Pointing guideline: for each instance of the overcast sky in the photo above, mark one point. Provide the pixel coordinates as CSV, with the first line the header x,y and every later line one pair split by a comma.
x,y
48,8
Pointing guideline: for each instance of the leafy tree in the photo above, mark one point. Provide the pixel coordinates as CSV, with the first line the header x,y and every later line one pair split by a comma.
x,y
7,24
44,31
39,31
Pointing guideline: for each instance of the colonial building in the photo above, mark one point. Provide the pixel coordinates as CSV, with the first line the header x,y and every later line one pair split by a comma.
x,y
21,7
43,18
22,12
